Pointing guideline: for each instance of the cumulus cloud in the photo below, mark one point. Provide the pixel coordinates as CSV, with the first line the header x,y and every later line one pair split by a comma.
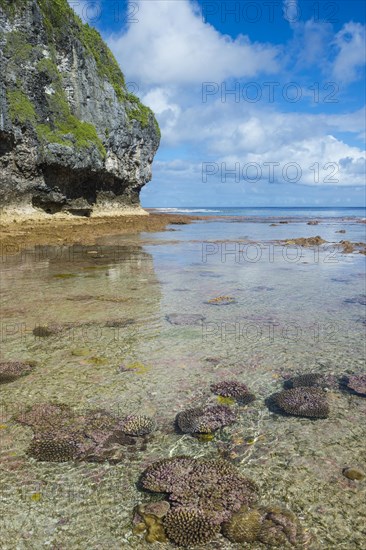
x,y
171,44
171,50
232,133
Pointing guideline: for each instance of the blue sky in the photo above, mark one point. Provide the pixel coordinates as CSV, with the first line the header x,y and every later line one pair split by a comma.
x,y
260,103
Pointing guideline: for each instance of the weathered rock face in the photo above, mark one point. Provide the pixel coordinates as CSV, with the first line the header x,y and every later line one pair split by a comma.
x,y
71,136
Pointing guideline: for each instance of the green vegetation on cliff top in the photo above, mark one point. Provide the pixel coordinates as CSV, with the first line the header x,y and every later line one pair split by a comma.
x,y
60,22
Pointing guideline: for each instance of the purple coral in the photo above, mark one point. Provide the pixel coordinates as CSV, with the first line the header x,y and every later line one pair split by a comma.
x,y
303,401
205,419
232,388
208,485
60,434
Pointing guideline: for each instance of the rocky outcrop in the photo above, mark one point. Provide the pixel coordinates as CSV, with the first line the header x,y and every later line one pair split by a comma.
x,y
71,136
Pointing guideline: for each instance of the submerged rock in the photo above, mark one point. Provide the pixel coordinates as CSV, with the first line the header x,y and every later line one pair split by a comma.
x,y
151,520
185,319
360,300
353,473
72,137
306,241
356,383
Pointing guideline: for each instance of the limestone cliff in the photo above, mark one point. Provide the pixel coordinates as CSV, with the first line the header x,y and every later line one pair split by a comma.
x,y
71,136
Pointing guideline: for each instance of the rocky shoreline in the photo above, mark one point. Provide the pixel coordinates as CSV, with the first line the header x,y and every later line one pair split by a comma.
x,y
18,232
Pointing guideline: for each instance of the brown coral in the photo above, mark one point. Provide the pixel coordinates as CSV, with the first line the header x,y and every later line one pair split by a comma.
x,y
189,526
244,526
49,449
310,379
96,435
303,401
205,419
280,528
137,425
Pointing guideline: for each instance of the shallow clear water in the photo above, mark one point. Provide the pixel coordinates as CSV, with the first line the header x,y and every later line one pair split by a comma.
x,y
290,315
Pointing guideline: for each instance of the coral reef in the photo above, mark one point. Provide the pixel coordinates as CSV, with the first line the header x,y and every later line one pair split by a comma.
x,y
213,485
11,370
310,379
137,425
232,388
162,476
244,526
303,401
205,419
49,449
280,528
47,417
94,436
189,526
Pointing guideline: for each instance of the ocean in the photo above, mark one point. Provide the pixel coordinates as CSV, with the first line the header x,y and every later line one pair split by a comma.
x,y
303,212
144,324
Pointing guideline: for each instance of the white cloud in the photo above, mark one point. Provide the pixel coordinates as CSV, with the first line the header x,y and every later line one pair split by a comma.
x,y
351,52
172,45
171,50
234,133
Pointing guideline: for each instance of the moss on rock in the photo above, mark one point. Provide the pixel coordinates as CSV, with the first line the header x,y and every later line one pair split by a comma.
x,y
21,109
16,47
